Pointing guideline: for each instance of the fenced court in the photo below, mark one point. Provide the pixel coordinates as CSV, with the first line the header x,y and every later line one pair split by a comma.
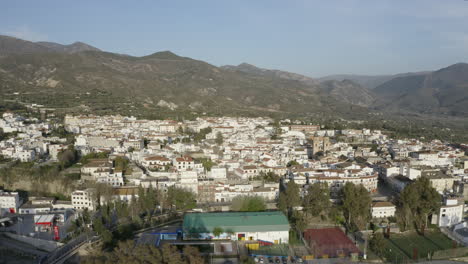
x,y
329,243
407,247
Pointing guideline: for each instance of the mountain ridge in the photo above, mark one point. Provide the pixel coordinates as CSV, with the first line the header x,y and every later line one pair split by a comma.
x,y
13,45
369,81
444,91
79,76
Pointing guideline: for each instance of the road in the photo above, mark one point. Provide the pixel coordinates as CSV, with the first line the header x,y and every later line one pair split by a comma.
x,y
6,242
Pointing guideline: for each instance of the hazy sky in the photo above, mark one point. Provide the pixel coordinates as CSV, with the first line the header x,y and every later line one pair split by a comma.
x,y
315,38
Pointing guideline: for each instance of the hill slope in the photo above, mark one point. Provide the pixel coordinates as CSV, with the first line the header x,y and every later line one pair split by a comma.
x,y
349,92
344,91
251,69
444,92
72,48
11,45
368,81
155,84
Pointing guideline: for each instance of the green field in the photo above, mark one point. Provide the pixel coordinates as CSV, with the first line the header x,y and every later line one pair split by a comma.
x,y
400,247
275,250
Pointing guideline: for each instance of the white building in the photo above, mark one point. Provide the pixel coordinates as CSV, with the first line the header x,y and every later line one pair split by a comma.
x,y
9,201
184,163
383,210
84,199
451,213
114,179
217,173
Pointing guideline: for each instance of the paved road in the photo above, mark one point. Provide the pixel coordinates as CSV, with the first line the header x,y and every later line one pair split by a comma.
x,y
6,242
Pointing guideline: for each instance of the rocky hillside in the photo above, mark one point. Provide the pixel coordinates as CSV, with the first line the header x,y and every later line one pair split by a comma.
x,y
368,81
10,45
344,91
81,78
72,48
160,83
444,91
349,92
251,69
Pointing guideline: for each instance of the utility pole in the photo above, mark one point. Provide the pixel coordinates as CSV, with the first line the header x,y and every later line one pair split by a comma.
x,y
365,243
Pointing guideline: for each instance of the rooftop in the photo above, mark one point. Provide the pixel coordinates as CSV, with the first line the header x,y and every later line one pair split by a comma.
x,y
383,204
236,222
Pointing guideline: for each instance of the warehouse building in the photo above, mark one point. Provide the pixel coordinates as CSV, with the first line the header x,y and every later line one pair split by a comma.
x,y
272,227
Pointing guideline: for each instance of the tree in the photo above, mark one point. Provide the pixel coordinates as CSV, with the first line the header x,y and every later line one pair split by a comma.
x,y
67,157
292,163
417,202
103,192
121,163
192,255
130,252
217,231
292,194
94,155
282,203
197,137
207,163
246,260
276,131
269,176
180,130
377,244
317,200
289,198
299,220
356,206
219,138
171,255
182,199
2,134
248,204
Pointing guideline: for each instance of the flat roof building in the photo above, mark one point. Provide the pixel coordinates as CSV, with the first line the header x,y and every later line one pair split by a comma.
x,y
264,226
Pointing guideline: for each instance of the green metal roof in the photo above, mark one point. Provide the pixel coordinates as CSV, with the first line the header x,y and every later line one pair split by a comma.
x,y
235,222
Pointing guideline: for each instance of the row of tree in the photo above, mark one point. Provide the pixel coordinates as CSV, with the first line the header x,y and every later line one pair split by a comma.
x,y
130,252
354,208
248,204
417,202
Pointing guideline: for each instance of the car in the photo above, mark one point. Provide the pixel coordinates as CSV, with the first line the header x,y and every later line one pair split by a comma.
x,y
293,260
256,259
299,260
271,260
261,260
285,260
277,260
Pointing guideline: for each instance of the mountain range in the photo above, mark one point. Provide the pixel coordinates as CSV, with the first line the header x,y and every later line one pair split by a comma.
x,y
79,77
368,81
11,45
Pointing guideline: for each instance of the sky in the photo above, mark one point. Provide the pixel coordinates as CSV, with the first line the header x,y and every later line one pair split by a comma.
x,y
315,38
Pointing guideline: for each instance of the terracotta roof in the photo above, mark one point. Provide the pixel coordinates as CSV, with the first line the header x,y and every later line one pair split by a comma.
x,y
383,204
157,158
184,158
